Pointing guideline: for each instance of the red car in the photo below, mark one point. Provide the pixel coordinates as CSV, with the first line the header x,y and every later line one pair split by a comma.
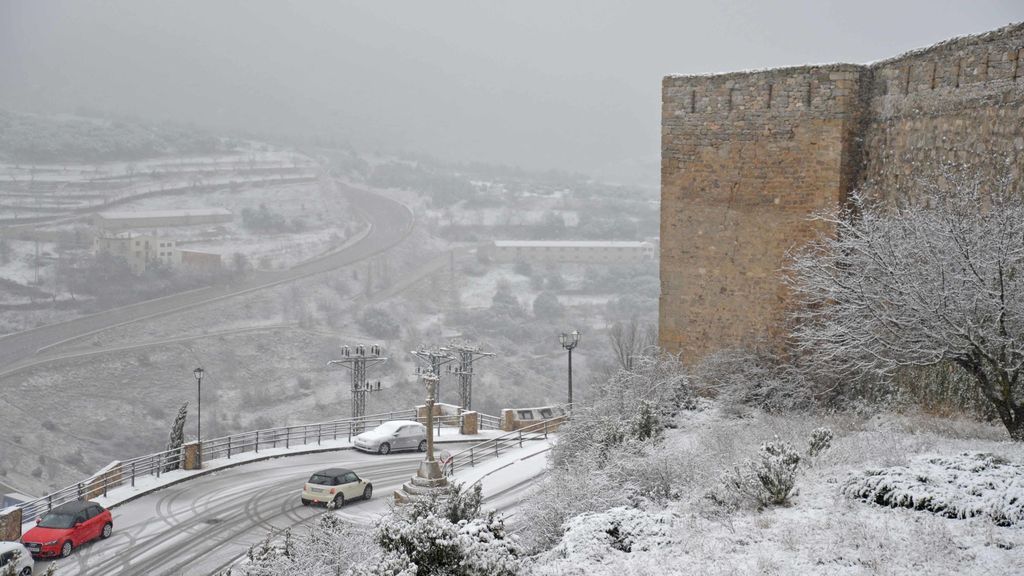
x,y
67,527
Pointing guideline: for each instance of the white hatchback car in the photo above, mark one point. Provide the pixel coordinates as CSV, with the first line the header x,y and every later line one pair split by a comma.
x,y
392,436
15,553
335,486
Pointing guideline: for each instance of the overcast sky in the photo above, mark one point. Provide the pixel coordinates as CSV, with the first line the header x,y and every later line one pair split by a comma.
x,y
540,83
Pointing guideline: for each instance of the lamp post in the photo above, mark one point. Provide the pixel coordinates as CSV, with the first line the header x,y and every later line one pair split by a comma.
x,y
198,373
569,341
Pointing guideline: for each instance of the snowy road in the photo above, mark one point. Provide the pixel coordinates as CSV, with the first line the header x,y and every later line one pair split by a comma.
x,y
201,526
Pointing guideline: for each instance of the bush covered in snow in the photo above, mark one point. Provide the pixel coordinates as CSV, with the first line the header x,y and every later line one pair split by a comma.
x,y
632,406
962,486
330,547
607,537
754,379
821,440
446,536
767,481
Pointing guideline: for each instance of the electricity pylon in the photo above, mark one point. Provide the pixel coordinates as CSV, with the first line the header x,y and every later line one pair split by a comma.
x,y
466,355
356,360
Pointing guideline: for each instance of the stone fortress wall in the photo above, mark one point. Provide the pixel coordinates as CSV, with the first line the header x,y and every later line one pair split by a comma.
x,y
747,158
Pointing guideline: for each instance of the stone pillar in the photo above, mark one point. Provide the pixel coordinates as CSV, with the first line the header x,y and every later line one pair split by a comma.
x,y
190,460
10,524
508,420
428,478
470,423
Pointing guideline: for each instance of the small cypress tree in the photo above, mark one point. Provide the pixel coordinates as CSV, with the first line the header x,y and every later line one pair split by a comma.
x,y
177,436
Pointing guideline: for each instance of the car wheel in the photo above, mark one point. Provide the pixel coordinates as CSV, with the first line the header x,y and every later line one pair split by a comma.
x,y
65,550
107,529
368,491
26,571
423,446
384,448
339,501
305,502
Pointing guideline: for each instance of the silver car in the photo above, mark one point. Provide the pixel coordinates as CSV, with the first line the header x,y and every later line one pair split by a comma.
x,y
392,436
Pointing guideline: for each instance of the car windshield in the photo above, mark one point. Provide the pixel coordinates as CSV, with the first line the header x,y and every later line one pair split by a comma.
x,y
388,428
322,479
57,520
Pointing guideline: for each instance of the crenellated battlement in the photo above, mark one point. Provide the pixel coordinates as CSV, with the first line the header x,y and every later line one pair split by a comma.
x,y
747,157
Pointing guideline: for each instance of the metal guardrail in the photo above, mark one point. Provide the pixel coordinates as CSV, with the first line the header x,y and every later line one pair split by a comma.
x,y
128,471
493,447
488,422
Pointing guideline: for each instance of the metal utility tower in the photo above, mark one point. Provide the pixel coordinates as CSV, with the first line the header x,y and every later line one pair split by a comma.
x,y
356,360
466,356
434,360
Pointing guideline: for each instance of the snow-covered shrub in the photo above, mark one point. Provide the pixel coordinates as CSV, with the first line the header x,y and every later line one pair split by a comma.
x,y
753,378
599,537
821,440
633,405
330,547
562,494
767,481
435,538
962,486
650,473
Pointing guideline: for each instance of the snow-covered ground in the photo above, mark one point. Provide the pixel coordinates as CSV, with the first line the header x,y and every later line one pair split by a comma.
x,y
823,530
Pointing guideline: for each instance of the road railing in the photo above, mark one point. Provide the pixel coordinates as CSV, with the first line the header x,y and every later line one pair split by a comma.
x,y
123,472
494,447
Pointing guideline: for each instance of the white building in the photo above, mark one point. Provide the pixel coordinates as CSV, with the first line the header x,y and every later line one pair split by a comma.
x,y
580,251
161,218
139,251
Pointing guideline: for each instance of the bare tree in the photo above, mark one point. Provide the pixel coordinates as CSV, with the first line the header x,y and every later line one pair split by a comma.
x,y
940,279
630,340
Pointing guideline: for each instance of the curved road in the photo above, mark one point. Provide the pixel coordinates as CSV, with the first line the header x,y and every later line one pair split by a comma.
x,y
201,526
390,221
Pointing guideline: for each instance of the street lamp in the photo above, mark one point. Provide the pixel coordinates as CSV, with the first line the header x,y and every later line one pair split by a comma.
x,y
198,373
570,341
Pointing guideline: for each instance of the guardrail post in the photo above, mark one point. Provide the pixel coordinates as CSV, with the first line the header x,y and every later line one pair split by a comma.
x,y
495,448
105,485
229,447
349,432
257,441
545,429
49,501
81,494
472,462
133,474
156,465
520,438
335,435
287,438
319,429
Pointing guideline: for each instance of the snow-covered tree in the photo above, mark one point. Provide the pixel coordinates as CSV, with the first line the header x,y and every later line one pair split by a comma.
x,y
177,436
939,279
445,536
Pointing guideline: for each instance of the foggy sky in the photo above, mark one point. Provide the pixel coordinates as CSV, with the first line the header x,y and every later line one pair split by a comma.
x,y
539,83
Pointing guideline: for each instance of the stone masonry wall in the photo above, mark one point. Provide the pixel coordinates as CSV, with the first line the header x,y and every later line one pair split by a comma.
x,y
748,157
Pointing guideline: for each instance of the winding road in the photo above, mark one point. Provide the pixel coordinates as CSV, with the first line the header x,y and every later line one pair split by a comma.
x,y
202,526
390,223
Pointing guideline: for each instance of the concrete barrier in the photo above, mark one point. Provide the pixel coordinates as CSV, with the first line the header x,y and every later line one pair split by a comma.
x,y
10,524
513,419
